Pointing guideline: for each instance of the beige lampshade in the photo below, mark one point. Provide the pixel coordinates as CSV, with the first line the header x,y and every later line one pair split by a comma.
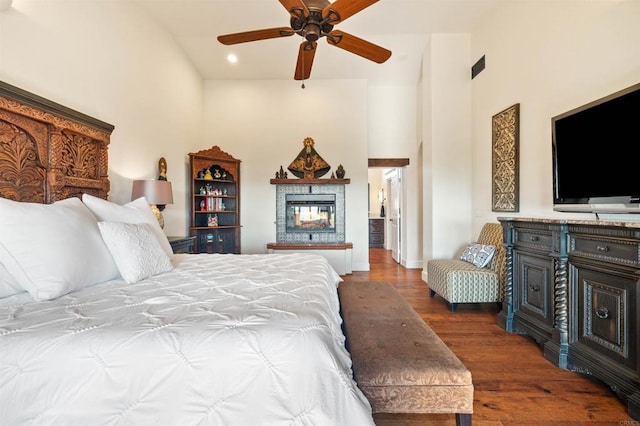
x,y
155,191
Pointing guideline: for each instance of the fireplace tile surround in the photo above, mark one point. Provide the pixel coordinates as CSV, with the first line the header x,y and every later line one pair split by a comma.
x,y
311,237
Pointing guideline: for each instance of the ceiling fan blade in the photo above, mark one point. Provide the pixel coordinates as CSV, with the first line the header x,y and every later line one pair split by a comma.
x,y
305,60
358,46
255,35
340,10
296,8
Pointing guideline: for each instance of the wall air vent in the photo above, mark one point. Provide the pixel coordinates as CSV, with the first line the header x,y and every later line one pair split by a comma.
x,y
477,67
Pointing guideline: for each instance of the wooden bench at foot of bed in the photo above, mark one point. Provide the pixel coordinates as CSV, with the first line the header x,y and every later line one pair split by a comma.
x,y
399,363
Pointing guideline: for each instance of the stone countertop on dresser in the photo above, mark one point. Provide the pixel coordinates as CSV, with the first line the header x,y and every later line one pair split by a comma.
x,y
591,222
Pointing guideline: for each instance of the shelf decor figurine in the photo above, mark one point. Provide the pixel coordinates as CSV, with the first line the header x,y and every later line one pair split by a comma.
x,y
340,172
281,174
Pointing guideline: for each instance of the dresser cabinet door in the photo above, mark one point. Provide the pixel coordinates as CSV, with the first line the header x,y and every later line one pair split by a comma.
x,y
607,315
533,278
533,295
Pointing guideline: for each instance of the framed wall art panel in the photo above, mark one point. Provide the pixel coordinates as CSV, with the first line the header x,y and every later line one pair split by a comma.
x,y
505,132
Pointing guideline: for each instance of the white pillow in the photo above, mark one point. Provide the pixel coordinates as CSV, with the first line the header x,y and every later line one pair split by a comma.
x,y
53,249
8,284
478,254
135,249
137,211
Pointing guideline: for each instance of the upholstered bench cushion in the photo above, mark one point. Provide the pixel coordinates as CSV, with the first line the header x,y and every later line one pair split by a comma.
x,y
462,282
399,363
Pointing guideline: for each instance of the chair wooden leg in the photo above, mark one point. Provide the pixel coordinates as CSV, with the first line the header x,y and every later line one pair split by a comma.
x,y
463,419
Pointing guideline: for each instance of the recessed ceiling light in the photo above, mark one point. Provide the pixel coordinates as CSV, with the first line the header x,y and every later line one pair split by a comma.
x,y
232,58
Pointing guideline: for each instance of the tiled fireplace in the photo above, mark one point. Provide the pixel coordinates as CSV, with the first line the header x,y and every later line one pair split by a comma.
x,y
310,213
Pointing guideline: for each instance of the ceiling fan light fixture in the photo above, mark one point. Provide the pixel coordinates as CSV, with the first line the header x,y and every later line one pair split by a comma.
x,y
311,32
232,58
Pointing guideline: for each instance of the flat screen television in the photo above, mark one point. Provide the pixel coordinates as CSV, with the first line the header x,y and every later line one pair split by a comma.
x,y
596,155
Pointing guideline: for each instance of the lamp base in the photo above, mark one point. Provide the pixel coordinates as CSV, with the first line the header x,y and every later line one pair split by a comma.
x,y
156,212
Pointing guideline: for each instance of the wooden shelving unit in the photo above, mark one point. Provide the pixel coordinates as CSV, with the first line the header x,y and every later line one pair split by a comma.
x,y
215,201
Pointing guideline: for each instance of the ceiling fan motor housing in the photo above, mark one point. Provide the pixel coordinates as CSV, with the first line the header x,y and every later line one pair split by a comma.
x,y
312,27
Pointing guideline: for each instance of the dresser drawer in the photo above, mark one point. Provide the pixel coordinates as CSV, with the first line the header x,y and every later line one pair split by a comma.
x,y
376,225
538,239
618,250
376,239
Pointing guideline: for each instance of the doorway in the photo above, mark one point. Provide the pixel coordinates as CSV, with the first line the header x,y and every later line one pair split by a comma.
x,y
385,201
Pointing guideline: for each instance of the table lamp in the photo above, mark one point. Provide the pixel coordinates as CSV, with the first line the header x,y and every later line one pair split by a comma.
x,y
157,192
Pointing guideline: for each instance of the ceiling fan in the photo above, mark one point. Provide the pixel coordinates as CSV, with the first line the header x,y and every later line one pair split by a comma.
x,y
312,20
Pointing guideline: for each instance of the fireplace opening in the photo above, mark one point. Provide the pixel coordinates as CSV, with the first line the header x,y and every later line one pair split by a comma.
x,y
310,213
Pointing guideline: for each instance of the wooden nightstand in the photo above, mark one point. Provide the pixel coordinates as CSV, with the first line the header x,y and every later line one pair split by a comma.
x,y
182,244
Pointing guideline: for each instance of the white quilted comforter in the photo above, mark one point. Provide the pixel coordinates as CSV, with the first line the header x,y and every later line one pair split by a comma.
x,y
220,340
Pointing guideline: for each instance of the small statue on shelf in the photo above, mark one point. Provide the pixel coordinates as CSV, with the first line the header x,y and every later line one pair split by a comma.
x,y
162,169
281,174
207,175
212,220
340,172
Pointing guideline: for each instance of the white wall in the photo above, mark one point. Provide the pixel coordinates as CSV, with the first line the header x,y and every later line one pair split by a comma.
x,y
447,152
263,123
109,61
550,57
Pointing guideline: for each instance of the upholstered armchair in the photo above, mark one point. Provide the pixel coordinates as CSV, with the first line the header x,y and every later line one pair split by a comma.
x,y
477,279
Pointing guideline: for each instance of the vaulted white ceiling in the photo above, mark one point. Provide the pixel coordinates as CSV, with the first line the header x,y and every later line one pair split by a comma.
x,y
402,26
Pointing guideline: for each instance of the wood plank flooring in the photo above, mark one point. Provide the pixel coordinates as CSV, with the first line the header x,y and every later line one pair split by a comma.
x,y
514,384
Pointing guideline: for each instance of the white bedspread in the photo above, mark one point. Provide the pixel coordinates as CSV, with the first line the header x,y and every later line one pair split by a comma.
x,y
220,340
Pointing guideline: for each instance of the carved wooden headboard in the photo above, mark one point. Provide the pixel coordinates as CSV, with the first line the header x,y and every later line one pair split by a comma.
x,y
49,152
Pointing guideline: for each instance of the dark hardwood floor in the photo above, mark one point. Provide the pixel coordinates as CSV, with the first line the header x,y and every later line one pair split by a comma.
x,y
514,384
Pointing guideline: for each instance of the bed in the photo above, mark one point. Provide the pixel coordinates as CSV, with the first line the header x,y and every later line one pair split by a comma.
x,y
100,323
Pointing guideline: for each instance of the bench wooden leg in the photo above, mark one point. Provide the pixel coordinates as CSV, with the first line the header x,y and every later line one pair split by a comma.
x,y
463,419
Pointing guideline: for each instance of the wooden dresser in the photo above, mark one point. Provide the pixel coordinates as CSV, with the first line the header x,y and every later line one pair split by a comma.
x,y
574,286
376,232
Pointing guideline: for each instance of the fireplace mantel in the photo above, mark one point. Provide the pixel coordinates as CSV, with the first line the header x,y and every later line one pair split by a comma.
x,y
309,181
